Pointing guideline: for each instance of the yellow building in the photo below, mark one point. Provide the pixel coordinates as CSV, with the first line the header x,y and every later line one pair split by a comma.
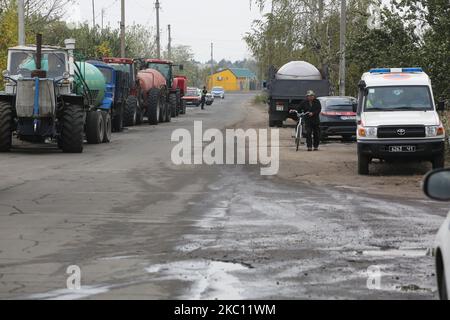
x,y
233,79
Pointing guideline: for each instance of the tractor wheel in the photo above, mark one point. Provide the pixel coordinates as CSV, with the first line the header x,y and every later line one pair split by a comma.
x,y
183,104
167,107
173,107
6,121
130,112
95,127
117,121
72,129
108,127
179,104
139,116
154,107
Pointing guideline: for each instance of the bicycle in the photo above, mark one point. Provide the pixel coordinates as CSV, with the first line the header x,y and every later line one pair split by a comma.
x,y
298,135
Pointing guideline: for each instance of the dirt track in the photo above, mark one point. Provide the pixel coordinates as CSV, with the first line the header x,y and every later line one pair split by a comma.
x,y
336,165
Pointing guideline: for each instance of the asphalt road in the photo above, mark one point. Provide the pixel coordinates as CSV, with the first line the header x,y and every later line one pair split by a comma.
x,y
139,227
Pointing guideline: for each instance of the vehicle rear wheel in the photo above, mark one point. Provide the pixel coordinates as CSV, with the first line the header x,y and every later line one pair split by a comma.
x,y
117,121
72,129
167,108
154,108
6,126
130,112
108,127
95,127
183,107
438,162
173,105
363,164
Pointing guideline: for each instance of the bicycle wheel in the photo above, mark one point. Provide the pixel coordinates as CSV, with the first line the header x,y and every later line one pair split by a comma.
x,y
298,136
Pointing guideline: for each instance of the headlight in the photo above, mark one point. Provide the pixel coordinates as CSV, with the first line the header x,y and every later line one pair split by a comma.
x,y
434,131
368,132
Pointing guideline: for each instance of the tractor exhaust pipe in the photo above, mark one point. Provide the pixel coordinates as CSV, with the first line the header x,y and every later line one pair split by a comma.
x,y
38,73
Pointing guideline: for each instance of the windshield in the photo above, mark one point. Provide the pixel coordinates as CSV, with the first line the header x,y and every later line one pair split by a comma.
x,y
164,69
192,92
338,104
108,74
24,62
405,98
217,89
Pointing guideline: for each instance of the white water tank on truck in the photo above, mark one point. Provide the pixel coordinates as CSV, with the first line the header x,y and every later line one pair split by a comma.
x,y
298,70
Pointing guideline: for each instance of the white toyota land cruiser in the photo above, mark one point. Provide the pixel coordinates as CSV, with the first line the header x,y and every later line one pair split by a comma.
x,y
397,118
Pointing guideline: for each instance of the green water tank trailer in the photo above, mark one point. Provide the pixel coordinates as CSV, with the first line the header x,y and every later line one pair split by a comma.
x,y
94,79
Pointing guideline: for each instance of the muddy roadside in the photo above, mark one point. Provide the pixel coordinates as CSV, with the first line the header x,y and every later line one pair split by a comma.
x,y
335,165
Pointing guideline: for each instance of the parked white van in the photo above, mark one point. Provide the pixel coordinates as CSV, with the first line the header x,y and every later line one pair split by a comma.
x,y
397,118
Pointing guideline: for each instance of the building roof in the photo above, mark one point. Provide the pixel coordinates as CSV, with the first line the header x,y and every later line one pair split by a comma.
x,y
243,73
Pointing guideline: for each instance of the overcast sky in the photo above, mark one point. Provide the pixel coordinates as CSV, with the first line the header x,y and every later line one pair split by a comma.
x,y
196,23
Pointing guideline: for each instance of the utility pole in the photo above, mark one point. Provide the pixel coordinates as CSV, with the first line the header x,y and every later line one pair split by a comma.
x,y
122,29
158,35
169,46
212,65
103,16
21,18
342,47
93,14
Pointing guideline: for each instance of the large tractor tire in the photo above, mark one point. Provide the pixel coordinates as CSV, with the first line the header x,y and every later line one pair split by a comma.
x,y
167,108
139,116
179,104
72,129
183,106
108,127
173,107
6,126
154,107
95,127
117,120
130,112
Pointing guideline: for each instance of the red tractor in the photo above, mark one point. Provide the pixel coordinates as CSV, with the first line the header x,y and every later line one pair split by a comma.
x,y
177,84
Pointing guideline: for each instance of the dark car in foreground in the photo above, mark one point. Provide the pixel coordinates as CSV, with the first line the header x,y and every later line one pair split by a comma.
x,y
338,117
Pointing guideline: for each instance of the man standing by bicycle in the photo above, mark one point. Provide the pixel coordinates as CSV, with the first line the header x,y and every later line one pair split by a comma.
x,y
313,108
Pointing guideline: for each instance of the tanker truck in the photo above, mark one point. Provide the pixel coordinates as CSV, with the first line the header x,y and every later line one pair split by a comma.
x,y
287,88
90,82
153,96
38,104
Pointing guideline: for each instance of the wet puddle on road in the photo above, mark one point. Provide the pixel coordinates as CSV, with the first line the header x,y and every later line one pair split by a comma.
x,y
211,279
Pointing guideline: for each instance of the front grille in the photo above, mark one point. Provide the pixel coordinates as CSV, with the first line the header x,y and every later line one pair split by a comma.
x,y
401,132
25,98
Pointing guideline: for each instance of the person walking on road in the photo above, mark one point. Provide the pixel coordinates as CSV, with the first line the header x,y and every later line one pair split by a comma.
x,y
204,93
313,107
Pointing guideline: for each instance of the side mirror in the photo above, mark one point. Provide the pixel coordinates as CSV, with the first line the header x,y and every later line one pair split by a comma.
x,y
181,67
354,107
436,185
441,106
